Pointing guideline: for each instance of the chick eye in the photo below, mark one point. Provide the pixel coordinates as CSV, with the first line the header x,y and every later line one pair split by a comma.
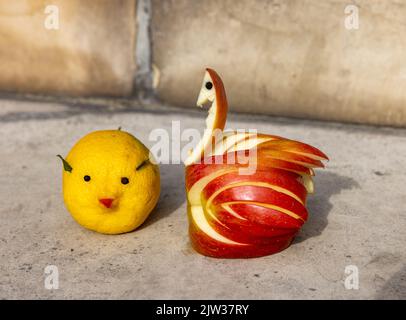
x,y
86,178
125,180
209,85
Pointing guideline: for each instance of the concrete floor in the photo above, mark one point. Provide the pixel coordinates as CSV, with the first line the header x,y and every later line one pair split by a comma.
x,y
357,216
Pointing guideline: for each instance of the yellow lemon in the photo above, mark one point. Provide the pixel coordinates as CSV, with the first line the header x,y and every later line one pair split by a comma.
x,y
110,183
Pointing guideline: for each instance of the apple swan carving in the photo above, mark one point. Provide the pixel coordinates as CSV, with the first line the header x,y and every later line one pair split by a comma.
x,y
242,215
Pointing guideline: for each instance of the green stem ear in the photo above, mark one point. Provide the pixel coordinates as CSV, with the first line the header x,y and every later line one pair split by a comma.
x,y
66,166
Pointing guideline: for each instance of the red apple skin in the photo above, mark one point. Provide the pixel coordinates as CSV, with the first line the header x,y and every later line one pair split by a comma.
x,y
232,215
272,176
194,172
248,231
281,144
212,248
263,195
257,230
264,230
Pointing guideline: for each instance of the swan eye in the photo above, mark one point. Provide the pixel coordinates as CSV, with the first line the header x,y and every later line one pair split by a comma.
x,y
124,180
86,178
209,85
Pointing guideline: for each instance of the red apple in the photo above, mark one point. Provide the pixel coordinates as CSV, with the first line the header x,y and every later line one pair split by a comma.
x,y
240,214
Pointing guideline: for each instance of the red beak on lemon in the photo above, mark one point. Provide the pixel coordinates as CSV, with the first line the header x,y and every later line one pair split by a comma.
x,y
107,202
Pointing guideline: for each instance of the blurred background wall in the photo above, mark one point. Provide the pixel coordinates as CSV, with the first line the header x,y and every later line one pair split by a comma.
x,y
90,53
331,60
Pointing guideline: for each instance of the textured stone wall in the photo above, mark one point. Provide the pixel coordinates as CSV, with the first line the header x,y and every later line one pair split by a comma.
x,y
92,52
290,58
